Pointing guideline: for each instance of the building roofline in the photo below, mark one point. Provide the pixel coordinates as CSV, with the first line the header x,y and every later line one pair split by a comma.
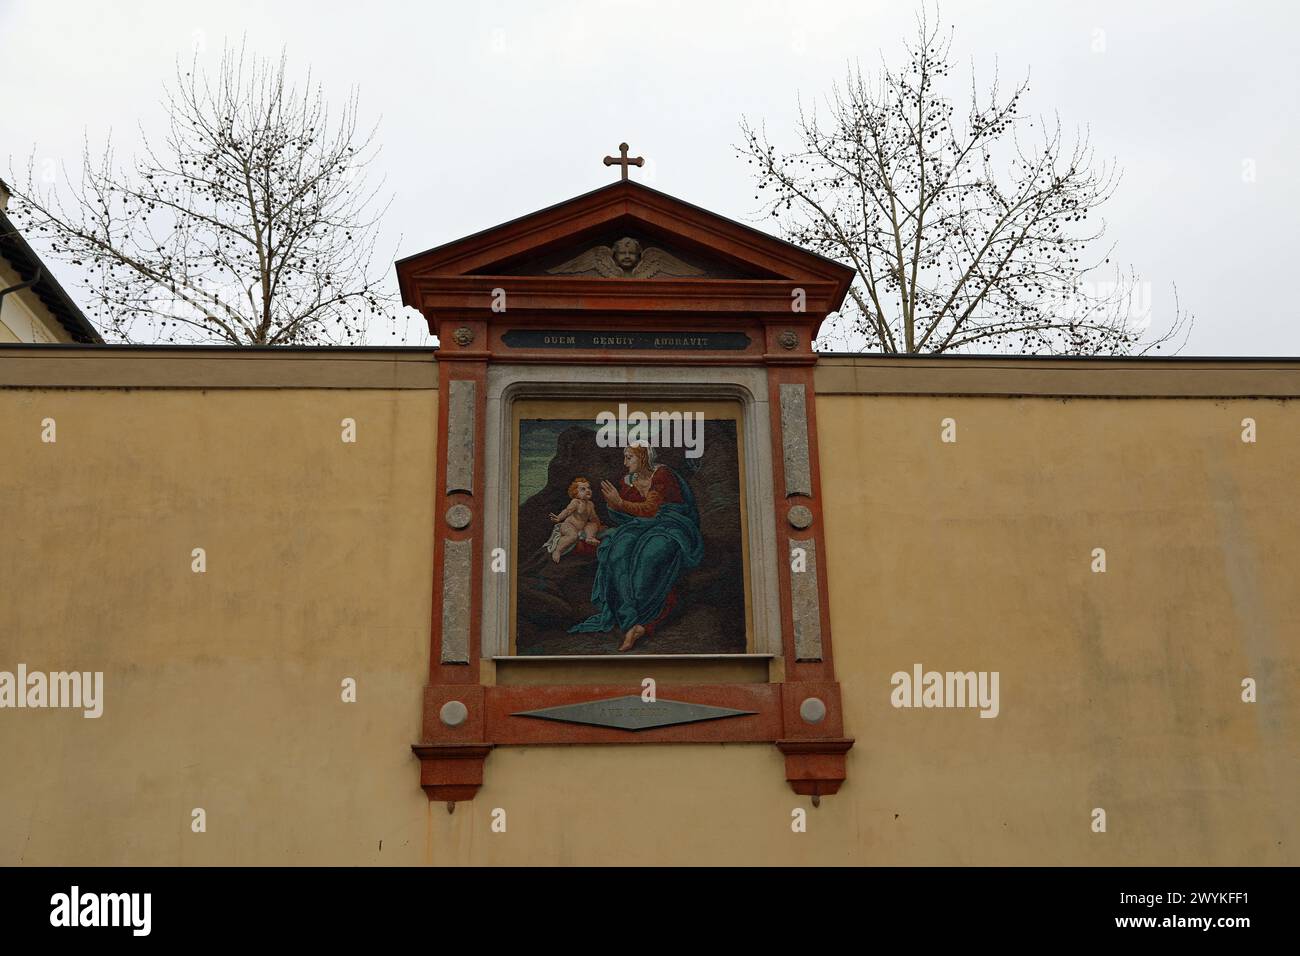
x,y
16,251
622,186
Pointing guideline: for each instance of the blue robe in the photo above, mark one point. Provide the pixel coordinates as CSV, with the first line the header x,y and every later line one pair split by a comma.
x,y
640,560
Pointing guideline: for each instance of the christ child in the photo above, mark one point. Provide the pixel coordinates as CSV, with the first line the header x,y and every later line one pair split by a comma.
x,y
578,521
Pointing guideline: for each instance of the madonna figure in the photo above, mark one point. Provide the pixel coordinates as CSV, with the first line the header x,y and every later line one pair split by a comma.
x,y
653,540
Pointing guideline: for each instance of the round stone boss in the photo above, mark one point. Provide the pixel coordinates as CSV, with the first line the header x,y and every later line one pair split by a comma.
x,y
454,713
459,516
813,710
800,516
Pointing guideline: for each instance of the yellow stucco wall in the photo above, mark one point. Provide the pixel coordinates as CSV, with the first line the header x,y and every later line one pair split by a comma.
x,y
1118,690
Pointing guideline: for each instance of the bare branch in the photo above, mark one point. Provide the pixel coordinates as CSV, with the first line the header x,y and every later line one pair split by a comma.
x,y
965,232
249,221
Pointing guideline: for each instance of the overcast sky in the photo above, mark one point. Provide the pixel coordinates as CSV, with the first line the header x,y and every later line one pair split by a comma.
x,y
491,110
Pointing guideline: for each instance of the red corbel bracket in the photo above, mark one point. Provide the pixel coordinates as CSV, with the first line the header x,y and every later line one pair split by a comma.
x,y
451,771
815,766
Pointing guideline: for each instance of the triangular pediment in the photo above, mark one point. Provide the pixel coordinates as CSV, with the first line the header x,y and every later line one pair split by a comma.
x,y
622,232
625,249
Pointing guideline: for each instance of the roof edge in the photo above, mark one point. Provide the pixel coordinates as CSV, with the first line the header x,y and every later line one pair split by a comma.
x,y
624,189
25,261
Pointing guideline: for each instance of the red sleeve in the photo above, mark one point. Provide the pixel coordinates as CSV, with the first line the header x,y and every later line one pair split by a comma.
x,y
663,488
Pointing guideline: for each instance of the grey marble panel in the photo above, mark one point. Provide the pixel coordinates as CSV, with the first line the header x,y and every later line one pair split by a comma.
x,y
806,605
633,713
794,441
456,601
460,436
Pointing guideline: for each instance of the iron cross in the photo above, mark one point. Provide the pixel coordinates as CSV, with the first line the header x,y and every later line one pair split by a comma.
x,y
623,160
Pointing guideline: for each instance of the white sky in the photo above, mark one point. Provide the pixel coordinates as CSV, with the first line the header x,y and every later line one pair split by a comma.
x,y
491,110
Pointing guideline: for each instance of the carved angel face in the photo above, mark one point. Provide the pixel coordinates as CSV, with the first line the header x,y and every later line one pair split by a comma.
x,y
627,253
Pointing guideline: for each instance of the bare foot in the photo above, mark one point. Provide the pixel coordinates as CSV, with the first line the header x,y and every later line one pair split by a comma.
x,y
631,637
555,555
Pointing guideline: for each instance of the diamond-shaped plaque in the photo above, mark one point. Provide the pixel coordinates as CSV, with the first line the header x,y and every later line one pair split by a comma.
x,y
633,713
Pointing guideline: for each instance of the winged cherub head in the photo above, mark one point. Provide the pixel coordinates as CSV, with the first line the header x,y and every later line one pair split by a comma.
x,y
627,253
626,259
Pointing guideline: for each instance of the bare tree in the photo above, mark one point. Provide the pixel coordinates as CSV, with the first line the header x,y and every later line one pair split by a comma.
x,y
249,222
965,235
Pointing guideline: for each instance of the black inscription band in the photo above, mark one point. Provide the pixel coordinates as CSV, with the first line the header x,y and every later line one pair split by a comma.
x,y
642,341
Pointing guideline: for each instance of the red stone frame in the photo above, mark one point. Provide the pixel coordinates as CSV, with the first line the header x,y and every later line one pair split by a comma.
x,y
453,287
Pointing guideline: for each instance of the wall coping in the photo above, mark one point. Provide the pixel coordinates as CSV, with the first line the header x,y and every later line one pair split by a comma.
x,y
1058,376
219,366
216,366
